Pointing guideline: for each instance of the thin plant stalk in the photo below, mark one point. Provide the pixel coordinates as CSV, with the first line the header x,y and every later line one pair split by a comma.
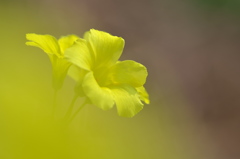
x,y
69,112
79,109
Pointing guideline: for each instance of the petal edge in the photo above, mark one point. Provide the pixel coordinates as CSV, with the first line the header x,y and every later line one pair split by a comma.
x,y
127,100
47,43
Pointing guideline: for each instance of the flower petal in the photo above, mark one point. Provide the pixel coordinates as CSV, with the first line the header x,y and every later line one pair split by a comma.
x,y
143,95
127,100
127,72
99,96
107,48
67,41
47,43
60,72
80,55
60,68
77,74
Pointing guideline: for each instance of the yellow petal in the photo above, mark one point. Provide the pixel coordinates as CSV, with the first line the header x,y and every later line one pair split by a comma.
x,y
60,67
99,96
80,55
47,43
127,72
77,74
143,95
67,41
127,100
106,48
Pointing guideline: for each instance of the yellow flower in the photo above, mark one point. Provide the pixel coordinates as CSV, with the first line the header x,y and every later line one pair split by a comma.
x,y
55,50
105,80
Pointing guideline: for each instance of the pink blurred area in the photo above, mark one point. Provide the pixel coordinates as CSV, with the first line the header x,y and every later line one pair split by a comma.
x,y
192,55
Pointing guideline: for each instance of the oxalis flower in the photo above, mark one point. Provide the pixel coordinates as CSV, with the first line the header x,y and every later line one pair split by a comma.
x,y
105,80
55,50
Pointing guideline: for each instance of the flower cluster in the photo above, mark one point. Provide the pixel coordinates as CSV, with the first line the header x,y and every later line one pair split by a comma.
x,y
94,61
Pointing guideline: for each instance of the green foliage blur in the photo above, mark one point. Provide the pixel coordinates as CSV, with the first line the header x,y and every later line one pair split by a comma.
x,y
26,97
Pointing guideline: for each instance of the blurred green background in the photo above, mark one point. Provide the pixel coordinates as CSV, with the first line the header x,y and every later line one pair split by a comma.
x,y
191,50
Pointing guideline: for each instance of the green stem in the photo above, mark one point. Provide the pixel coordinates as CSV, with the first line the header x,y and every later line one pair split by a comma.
x,y
80,108
69,112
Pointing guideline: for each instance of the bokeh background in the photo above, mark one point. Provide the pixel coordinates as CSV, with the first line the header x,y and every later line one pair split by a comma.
x,y
191,50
